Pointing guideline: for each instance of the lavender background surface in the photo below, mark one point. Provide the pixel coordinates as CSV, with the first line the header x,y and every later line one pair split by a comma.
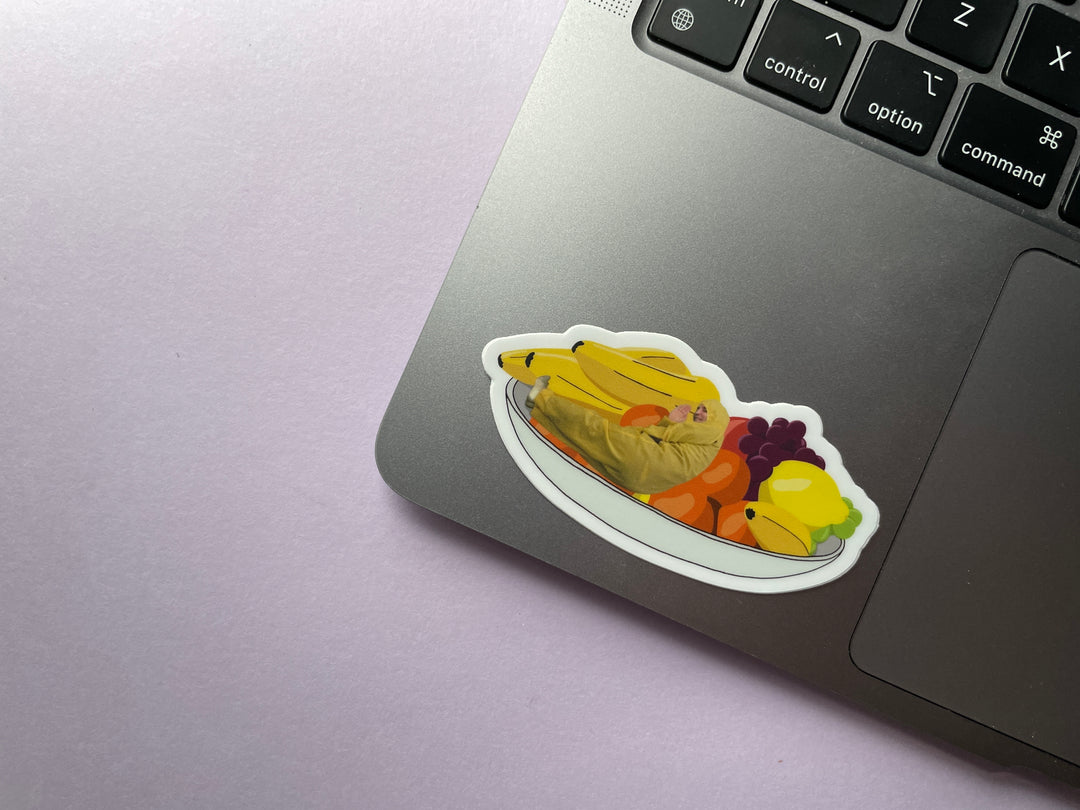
x,y
221,228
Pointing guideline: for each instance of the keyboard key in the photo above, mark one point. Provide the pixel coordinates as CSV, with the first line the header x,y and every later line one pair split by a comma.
x,y
1045,61
899,97
882,13
967,31
712,31
1070,206
802,55
1008,145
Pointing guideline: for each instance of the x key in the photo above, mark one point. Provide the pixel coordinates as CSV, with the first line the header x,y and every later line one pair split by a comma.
x,y
1045,61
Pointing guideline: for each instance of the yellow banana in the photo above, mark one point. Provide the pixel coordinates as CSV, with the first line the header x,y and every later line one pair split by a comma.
x,y
657,358
664,361
515,357
513,363
568,380
567,354
635,382
776,530
518,356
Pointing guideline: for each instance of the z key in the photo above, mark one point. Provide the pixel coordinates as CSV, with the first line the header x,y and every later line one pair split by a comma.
x,y
967,31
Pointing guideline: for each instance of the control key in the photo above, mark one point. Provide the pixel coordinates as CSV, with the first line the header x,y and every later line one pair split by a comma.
x,y
802,55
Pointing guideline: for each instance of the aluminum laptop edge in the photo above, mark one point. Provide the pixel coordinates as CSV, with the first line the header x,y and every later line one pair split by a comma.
x,y
922,320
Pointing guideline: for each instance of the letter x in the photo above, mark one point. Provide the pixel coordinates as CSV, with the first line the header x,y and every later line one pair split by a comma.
x,y
1060,60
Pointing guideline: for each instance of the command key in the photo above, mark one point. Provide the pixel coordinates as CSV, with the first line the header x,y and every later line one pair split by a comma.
x,y
1008,145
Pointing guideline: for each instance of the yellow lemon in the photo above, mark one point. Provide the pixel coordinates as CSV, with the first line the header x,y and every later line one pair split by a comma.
x,y
807,492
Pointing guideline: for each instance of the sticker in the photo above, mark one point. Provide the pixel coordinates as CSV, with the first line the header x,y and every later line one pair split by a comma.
x,y
639,440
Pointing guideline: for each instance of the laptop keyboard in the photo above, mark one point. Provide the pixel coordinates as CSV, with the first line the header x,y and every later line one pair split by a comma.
x,y
1016,72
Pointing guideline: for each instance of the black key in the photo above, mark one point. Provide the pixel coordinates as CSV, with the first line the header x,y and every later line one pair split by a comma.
x,y
1008,145
899,97
802,55
712,31
1070,206
1045,61
883,13
968,31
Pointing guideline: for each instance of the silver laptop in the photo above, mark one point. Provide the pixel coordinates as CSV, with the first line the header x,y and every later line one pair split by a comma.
x,y
768,320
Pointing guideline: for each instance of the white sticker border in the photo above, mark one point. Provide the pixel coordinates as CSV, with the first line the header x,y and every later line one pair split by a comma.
x,y
629,536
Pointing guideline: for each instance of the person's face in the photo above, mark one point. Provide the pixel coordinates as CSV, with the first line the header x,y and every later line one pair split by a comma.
x,y
701,414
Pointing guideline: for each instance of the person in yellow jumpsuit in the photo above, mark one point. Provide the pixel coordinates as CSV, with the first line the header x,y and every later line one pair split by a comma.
x,y
644,460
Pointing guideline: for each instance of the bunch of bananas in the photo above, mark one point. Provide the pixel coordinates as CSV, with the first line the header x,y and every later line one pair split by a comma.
x,y
609,380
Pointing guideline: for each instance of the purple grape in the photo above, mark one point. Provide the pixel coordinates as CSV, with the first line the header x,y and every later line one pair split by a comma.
x,y
760,468
750,444
780,422
777,434
791,445
809,456
797,429
774,453
757,426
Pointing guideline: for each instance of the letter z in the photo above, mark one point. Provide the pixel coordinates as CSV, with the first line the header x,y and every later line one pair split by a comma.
x,y
959,18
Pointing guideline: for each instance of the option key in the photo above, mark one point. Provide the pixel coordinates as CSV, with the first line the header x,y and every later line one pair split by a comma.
x,y
900,97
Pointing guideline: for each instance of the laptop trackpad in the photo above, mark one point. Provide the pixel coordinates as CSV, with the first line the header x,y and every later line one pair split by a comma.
x,y
978,606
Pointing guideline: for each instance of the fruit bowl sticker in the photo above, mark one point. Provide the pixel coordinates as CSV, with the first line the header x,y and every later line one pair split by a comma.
x,y
642,442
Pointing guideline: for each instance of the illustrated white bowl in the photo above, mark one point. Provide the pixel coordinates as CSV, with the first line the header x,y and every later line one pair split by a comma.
x,y
648,533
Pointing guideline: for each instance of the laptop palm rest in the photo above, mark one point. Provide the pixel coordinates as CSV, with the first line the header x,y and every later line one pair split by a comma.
x,y
976,607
